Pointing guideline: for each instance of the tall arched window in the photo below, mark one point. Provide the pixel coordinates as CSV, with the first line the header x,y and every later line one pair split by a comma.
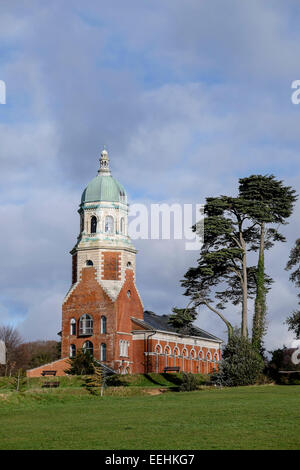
x,y
93,224
73,327
72,350
208,355
86,325
88,347
103,324
103,352
122,225
109,224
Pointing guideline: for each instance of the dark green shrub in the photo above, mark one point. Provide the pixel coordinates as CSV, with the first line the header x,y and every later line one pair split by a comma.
x,y
81,364
189,382
241,364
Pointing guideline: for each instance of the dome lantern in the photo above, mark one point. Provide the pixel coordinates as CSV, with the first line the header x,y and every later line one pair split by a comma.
x,y
104,187
104,163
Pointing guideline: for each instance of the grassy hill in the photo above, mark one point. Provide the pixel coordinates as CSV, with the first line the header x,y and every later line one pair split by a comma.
x,y
257,417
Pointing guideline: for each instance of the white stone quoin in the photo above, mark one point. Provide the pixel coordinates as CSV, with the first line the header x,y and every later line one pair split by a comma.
x,y
2,352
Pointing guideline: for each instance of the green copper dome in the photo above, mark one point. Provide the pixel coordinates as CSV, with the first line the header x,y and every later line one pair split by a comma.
x,y
104,187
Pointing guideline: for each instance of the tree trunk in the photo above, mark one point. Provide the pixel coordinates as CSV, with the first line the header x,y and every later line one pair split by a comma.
x,y
258,328
245,291
227,323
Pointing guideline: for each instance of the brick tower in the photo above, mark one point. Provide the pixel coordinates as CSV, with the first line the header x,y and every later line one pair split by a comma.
x,y
97,310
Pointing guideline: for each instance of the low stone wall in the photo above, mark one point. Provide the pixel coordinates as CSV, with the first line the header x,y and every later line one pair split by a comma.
x,y
60,366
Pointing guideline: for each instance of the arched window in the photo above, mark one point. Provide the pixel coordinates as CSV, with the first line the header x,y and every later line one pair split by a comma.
x,y
72,350
122,225
89,262
158,348
167,349
93,224
176,351
73,327
103,324
109,224
103,352
85,325
88,347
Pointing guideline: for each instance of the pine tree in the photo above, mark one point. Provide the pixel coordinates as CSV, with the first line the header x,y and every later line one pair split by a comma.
x,y
293,321
81,364
95,384
223,259
271,203
182,319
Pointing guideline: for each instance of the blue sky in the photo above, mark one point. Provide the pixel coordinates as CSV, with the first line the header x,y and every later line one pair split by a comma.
x,y
186,99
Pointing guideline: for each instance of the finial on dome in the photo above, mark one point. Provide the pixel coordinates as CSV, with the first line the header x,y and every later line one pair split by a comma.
x,y
104,162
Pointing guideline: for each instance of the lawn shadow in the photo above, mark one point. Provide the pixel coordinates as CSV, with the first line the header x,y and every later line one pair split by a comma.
x,y
172,378
148,377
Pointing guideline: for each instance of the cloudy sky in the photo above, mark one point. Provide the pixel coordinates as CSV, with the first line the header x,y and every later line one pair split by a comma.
x,y
187,96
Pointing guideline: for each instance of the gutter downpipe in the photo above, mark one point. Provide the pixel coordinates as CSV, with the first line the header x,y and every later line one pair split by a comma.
x,y
147,362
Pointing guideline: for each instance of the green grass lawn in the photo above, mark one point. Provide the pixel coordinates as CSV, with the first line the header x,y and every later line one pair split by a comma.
x,y
262,417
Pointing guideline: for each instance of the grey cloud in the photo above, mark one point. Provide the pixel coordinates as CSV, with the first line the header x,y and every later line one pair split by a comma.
x,y
216,107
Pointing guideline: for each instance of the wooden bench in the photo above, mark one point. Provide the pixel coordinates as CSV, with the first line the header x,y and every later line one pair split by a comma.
x,y
48,372
50,384
171,369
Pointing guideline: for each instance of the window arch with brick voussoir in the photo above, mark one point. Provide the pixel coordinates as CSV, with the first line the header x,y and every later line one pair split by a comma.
x,y
103,352
168,358
88,347
103,325
86,325
72,350
72,327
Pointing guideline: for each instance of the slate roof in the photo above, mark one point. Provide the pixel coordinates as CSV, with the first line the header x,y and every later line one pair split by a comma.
x,y
153,321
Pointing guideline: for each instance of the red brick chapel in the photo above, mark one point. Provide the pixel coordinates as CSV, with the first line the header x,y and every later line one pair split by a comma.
x,y
103,313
